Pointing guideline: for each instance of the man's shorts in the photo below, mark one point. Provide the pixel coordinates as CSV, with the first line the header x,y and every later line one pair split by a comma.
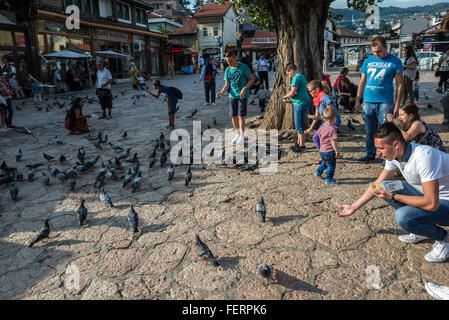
x,y
237,107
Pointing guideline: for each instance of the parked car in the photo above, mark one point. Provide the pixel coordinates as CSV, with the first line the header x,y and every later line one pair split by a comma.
x,y
428,61
339,62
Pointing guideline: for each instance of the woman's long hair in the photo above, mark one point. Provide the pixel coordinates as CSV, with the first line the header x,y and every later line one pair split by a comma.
x,y
410,52
76,102
410,109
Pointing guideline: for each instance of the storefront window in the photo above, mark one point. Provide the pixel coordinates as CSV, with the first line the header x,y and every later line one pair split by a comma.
x,y
139,53
20,39
155,61
41,43
58,43
6,38
7,63
123,11
56,26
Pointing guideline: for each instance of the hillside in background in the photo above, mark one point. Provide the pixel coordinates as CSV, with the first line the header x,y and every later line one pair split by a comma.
x,y
387,14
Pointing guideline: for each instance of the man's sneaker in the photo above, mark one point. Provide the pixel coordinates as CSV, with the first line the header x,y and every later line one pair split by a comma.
x,y
241,140
439,253
412,238
366,159
333,181
436,291
295,146
103,116
4,130
439,90
206,104
170,127
214,104
10,126
109,117
236,137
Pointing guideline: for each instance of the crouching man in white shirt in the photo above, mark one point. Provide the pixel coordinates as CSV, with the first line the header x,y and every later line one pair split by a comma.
x,y
422,201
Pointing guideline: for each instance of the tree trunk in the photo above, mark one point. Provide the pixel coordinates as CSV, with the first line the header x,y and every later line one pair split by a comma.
x,y
300,31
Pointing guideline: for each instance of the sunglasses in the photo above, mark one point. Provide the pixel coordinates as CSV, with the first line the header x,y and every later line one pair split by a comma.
x,y
310,91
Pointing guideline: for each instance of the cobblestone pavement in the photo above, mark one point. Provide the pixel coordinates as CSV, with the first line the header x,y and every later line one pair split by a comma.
x,y
315,254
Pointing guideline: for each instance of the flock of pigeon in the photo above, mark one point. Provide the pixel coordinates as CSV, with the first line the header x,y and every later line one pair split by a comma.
x,y
111,171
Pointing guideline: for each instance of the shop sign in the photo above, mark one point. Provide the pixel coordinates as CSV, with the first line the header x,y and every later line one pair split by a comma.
x,y
263,40
112,35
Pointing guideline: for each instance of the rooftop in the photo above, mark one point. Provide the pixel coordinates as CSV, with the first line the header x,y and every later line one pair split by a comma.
x,y
213,10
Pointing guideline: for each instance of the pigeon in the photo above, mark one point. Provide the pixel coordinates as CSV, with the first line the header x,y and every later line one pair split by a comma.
x,y
62,158
42,235
134,159
133,219
105,140
261,209
429,106
135,169
127,179
124,155
31,173
252,167
97,145
19,155
266,272
103,170
111,175
45,179
4,167
104,197
14,191
99,183
72,182
161,137
80,167
99,136
70,173
57,140
34,165
90,163
285,136
188,177
162,145
163,158
82,212
171,172
47,157
203,251
152,159
61,176
124,135
81,154
156,144
214,121
115,147
350,125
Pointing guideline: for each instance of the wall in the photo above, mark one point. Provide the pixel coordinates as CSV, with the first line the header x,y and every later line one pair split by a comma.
x,y
105,8
230,27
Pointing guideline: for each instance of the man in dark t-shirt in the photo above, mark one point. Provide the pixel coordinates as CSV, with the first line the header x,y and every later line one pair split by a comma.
x,y
246,59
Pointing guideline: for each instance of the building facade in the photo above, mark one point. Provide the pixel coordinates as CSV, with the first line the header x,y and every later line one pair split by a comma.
x,y
104,25
163,7
217,28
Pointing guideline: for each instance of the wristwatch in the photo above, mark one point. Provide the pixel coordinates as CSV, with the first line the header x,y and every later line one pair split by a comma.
x,y
392,196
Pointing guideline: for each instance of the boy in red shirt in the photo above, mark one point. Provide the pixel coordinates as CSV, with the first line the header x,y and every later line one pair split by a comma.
x,y
329,151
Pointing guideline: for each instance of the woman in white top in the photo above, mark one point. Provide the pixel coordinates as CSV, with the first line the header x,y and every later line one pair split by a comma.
x,y
443,65
410,69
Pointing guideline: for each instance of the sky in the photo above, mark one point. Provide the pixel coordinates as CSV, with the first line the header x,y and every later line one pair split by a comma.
x,y
392,3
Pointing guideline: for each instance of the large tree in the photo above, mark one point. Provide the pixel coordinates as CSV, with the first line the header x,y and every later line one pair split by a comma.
x,y
299,25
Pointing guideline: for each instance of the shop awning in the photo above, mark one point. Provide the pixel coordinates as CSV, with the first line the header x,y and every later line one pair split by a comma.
x,y
111,54
67,54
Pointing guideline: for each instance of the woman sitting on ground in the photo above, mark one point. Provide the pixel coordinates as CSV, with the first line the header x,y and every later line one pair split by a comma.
x,y
75,121
416,130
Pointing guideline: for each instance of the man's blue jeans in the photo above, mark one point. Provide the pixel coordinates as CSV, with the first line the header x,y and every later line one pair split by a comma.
x,y
419,221
210,88
329,163
374,116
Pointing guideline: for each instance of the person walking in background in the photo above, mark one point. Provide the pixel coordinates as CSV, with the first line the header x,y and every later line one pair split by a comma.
x,y
208,77
376,87
16,89
103,88
263,95
239,79
337,84
262,70
246,59
133,72
410,69
5,91
171,69
37,96
443,67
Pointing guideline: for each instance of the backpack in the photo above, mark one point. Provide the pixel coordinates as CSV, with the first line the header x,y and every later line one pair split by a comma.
x,y
209,78
178,93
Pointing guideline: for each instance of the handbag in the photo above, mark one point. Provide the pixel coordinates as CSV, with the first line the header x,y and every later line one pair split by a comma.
x,y
437,72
